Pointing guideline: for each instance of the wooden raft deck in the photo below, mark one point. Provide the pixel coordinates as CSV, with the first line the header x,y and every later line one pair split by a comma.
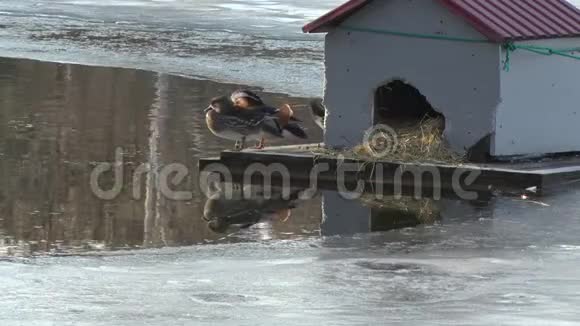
x,y
300,160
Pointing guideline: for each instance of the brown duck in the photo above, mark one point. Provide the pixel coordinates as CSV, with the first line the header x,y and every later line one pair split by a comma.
x,y
227,121
246,100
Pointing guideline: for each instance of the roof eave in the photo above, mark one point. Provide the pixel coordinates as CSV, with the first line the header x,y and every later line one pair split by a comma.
x,y
313,29
475,22
334,18
520,39
326,22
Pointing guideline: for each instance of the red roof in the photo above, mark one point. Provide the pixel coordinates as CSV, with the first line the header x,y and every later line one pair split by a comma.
x,y
498,20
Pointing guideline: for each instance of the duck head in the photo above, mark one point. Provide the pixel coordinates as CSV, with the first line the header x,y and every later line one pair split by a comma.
x,y
246,99
221,104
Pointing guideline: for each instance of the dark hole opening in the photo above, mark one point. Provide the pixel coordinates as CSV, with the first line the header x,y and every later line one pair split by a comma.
x,y
399,104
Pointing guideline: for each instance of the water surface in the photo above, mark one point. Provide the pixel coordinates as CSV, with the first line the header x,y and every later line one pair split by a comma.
x,y
70,258
57,121
250,41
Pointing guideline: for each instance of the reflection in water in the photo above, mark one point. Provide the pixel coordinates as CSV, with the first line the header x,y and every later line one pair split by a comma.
x,y
246,206
57,121
372,213
390,213
343,216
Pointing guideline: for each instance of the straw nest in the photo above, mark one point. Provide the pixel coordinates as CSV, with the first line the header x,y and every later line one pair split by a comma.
x,y
411,142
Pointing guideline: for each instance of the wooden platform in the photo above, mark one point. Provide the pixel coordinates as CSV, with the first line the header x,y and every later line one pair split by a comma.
x,y
400,176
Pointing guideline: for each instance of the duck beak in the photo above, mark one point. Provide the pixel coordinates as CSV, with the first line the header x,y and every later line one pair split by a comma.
x,y
209,108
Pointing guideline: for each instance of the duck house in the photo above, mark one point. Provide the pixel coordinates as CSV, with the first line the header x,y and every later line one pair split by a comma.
x,y
504,74
501,78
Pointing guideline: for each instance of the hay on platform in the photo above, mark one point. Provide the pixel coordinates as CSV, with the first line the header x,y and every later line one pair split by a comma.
x,y
415,142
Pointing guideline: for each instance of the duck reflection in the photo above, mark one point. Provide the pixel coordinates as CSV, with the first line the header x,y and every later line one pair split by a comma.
x,y
230,206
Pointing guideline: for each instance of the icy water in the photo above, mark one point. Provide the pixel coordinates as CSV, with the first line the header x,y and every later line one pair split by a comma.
x,y
70,258
254,42
58,121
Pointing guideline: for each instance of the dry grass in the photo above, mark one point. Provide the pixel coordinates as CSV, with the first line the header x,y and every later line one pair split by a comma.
x,y
426,210
418,142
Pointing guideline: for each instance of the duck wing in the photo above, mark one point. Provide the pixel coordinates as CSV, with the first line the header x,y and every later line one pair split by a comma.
x,y
272,126
278,112
235,122
266,109
260,119
296,130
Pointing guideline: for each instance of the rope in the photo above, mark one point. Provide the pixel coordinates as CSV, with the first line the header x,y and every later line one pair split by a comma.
x,y
545,48
509,47
414,35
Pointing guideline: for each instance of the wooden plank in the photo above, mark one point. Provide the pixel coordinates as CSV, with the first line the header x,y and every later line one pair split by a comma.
x,y
299,162
300,180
